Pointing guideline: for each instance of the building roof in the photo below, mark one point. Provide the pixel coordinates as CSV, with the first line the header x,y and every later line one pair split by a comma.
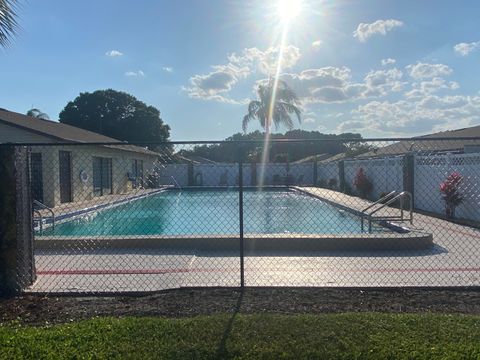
x,y
62,132
336,157
451,142
311,158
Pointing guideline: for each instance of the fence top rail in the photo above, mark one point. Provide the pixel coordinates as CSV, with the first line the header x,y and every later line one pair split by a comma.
x,y
271,141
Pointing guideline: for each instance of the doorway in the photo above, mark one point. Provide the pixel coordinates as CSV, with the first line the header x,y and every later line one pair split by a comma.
x,y
65,168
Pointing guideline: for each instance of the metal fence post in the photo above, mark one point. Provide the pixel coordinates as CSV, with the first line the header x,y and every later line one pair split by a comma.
x,y
17,264
240,208
341,175
191,180
409,176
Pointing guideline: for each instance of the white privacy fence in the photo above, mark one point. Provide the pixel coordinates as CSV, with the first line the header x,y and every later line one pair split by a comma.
x,y
226,174
282,173
327,173
171,173
431,171
386,174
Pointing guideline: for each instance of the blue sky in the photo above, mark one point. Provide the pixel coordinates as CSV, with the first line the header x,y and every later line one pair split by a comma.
x,y
198,61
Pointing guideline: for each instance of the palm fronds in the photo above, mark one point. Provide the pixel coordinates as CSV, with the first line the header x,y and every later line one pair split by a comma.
x,y
8,21
38,114
285,103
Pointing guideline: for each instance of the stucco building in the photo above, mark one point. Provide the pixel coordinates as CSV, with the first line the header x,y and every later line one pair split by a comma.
x,y
71,173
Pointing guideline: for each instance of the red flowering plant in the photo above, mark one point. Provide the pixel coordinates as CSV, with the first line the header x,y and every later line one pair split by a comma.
x,y
451,193
362,184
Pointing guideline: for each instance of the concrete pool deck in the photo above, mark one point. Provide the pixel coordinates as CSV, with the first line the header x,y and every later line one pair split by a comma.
x,y
98,202
453,261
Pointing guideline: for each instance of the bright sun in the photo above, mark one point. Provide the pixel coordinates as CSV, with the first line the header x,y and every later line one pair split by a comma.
x,y
288,9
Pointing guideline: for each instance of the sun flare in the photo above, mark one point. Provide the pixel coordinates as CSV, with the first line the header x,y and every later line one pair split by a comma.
x,y
288,9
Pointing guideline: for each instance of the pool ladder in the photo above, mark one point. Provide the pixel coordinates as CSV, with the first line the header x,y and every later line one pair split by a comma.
x,y
385,201
36,205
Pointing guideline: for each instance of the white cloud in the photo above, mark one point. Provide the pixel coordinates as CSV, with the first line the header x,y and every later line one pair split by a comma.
x,y
328,84
265,62
113,53
388,61
138,73
221,80
334,85
308,116
365,31
414,116
382,82
424,88
316,45
167,69
428,71
466,48
216,84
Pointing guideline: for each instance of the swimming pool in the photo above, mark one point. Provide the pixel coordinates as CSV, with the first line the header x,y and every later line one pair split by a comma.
x,y
204,212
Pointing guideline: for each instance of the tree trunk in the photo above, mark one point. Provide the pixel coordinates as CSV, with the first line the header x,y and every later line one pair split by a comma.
x,y
449,211
266,142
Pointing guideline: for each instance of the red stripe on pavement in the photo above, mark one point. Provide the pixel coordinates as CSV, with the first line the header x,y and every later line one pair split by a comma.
x,y
184,270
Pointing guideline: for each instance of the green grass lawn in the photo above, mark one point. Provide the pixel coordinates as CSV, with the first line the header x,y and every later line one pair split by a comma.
x,y
340,336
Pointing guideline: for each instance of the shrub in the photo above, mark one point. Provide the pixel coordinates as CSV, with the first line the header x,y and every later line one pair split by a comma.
x,y
362,184
332,183
321,183
347,189
451,194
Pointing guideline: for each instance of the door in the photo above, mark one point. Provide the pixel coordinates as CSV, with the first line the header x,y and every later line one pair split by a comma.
x,y
106,176
102,176
36,176
65,168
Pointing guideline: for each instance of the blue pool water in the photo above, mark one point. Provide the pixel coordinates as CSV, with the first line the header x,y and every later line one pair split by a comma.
x,y
203,212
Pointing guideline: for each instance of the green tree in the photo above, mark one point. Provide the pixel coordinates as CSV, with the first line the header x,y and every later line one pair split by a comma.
x,y
8,21
252,145
118,115
266,112
38,114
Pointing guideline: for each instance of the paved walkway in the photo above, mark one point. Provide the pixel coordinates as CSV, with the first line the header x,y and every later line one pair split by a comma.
x,y
454,261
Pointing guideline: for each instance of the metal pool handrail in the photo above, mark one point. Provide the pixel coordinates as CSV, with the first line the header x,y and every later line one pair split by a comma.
x,y
41,219
43,206
380,200
400,196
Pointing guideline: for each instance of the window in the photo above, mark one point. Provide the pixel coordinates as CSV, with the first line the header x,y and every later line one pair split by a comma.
x,y
37,176
102,176
137,172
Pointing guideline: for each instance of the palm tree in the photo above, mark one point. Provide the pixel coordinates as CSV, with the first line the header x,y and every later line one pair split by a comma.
x,y
37,113
8,21
286,103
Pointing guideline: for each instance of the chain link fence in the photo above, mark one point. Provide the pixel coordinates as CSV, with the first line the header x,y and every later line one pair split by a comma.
x,y
350,213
